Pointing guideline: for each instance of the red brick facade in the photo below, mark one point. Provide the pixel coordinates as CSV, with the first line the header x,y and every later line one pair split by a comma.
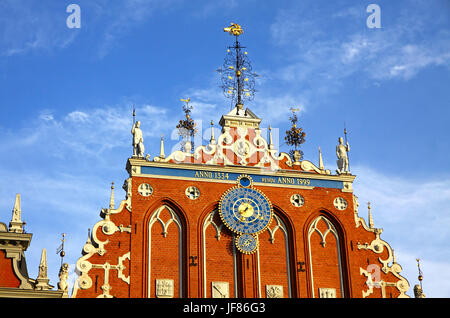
x,y
8,278
183,242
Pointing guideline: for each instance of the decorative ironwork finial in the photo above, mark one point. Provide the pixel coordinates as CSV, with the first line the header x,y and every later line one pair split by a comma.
x,y
238,80
60,249
187,127
295,136
420,277
418,290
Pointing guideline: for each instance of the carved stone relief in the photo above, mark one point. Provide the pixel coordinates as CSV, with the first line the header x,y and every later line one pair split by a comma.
x,y
220,290
164,288
327,293
274,291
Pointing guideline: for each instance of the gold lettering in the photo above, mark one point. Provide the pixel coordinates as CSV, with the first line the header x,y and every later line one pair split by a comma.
x,y
211,175
303,181
285,180
269,180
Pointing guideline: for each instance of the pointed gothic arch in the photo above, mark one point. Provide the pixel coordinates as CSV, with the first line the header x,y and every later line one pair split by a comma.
x,y
218,257
165,248
326,258
275,272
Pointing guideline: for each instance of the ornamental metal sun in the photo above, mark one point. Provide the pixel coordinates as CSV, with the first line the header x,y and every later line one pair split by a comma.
x,y
238,80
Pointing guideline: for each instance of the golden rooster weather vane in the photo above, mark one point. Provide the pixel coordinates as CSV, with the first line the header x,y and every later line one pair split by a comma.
x,y
234,29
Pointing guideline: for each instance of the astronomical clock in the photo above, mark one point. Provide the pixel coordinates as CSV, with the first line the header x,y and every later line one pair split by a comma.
x,y
247,212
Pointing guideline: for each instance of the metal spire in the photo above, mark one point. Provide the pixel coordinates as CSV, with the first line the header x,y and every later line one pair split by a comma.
x,y
60,248
345,135
238,80
420,277
418,290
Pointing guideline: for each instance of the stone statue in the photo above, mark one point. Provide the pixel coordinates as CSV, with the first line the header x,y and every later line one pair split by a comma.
x,y
418,292
63,277
341,153
138,140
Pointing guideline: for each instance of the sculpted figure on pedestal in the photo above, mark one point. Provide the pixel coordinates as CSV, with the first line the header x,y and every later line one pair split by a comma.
x,y
341,153
138,140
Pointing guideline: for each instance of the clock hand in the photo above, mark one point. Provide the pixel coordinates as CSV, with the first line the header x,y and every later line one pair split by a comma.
x,y
217,288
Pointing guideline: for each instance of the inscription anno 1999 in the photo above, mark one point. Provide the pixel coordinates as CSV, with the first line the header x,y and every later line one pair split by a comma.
x,y
276,180
286,180
230,177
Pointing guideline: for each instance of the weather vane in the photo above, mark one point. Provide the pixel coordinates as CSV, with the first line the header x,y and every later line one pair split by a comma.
x,y
238,80
60,249
420,272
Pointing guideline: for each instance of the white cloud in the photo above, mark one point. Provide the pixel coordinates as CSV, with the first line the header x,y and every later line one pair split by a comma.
x,y
120,17
85,134
436,274
415,217
410,59
46,117
26,27
399,50
77,116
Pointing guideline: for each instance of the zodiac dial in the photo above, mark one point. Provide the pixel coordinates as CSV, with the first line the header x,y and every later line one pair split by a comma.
x,y
247,243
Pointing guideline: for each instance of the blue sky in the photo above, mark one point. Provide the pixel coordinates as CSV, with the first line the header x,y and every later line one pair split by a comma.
x,y
66,97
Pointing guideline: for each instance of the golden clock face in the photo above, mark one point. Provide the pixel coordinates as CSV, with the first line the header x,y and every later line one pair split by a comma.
x,y
246,209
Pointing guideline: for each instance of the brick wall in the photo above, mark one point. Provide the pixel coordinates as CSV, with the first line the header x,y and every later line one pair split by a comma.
x,y
274,267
